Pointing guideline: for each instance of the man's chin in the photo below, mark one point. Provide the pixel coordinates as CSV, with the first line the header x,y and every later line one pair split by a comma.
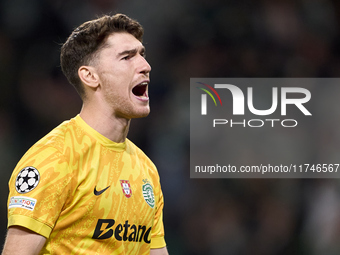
x,y
142,114
138,114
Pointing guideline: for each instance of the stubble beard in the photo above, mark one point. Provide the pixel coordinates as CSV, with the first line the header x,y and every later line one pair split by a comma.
x,y
124,107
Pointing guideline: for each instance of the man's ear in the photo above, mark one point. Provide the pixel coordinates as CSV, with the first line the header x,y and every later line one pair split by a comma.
x,y
89,76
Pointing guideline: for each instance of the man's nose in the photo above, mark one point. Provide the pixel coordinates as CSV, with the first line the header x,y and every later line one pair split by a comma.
x,y
144,66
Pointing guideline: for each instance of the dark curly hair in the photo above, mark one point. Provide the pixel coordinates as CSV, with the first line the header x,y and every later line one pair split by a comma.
x,y
86,40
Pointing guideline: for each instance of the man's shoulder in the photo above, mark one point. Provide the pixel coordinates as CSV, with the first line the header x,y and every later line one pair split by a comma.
x,y
56,138
49,149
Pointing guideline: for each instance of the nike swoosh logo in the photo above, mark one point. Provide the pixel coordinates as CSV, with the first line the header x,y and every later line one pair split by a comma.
x,y
97,193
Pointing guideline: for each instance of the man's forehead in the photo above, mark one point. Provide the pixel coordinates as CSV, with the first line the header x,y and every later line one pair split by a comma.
x,y
123,41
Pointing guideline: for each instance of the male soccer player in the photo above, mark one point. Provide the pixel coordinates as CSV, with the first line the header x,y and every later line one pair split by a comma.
x,y
85,188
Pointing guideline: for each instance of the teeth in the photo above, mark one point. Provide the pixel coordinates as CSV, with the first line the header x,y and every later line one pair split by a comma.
x,y
144,83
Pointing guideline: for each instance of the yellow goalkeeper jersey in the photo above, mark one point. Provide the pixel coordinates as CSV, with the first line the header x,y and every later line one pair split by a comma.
x,y
87,194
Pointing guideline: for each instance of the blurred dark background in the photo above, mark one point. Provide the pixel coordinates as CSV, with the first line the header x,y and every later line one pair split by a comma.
x,y
203,38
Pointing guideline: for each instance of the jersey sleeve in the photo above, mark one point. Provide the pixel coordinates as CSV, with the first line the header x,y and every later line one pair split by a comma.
x,y
157,232
38,190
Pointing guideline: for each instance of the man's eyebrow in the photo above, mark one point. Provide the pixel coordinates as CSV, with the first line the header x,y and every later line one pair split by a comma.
x,y
132,52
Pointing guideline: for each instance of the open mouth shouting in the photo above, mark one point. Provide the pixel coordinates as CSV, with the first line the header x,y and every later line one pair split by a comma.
x,y
140,91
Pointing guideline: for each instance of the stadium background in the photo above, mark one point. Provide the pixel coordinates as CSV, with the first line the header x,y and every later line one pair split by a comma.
x,y
203,38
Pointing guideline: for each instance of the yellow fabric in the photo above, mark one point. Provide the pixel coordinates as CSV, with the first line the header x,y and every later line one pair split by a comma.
x,y
73,161
32,224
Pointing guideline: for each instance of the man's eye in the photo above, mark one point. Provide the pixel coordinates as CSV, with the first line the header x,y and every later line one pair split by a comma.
x,y
126,57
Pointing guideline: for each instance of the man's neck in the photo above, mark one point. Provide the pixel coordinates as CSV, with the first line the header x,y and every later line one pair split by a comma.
x,y
113,128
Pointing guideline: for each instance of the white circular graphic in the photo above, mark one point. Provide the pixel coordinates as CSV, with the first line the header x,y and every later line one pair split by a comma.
x,y
27,179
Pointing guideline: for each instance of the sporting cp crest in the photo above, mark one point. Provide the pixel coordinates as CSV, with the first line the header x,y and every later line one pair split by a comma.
x,y
148,194
126,188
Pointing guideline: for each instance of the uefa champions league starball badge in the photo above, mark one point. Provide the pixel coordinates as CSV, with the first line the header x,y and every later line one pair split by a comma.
x,y
27,179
